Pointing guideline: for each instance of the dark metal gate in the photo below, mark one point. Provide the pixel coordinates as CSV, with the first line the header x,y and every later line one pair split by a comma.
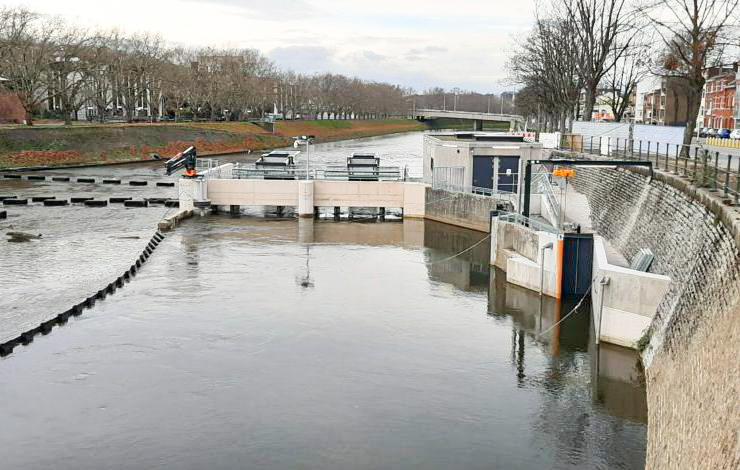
x,y
578,253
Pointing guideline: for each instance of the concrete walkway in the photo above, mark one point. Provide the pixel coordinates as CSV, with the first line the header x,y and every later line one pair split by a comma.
x,y
578,211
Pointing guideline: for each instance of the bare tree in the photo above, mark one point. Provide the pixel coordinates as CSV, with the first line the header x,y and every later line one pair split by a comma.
x,y
597,26
621,81
695,34
27,44
547,64
70,69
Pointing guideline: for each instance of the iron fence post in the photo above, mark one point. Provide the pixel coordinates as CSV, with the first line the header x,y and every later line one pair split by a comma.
x,y
639,150
737,182
716,167
727,174
696,160
667,153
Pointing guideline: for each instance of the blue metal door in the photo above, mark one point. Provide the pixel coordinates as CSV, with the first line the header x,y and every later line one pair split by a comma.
x,y
578,256
508,174
483,172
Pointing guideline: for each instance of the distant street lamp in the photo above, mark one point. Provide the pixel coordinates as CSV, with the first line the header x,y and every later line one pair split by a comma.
x,y
306,140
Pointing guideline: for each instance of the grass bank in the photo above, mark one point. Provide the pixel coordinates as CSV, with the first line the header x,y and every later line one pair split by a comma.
x,y
57,146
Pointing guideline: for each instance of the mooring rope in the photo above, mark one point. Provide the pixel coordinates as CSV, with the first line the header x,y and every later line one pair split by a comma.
x,y
578,305
462,252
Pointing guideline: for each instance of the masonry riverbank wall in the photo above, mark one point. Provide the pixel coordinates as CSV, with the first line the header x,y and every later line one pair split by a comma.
x,y
690,350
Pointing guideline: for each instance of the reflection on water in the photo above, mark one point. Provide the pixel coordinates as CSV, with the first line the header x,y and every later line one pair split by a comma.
x,y
219,356
248,342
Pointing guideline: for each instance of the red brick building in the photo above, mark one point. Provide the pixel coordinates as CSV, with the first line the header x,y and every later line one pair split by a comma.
x,y
719,98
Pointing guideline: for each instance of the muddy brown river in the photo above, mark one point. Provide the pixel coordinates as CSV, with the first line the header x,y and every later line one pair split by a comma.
x,y
258,342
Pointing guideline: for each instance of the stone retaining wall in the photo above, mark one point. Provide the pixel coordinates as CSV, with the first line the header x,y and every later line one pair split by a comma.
x,y
691,358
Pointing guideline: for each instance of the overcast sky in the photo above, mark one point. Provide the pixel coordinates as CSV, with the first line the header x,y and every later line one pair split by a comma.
x,y
417,43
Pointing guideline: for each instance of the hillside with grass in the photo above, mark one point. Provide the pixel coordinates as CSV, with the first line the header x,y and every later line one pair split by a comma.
x,y
58,146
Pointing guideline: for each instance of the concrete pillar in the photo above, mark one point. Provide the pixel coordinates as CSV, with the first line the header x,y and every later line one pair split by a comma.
x,y
305,198
305,230
478,125
186,189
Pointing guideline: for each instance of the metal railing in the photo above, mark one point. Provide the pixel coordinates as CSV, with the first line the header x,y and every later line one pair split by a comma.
x,y
458,188
335,173
542,184
705,168
516,218
381,173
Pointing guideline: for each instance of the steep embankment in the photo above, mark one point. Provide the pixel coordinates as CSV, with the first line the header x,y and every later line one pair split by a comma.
x,y
105,144
690,354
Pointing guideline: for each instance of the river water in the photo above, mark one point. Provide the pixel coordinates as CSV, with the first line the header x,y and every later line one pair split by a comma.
x,y
252,342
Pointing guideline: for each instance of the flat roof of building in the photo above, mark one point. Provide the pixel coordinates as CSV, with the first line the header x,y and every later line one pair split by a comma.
x,y
472,138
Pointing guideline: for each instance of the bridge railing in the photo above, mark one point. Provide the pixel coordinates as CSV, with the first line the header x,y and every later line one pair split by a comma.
x,y
336,173
704,167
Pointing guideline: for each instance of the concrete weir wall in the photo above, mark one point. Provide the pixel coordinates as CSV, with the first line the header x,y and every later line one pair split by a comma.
x,y
691,360
462,209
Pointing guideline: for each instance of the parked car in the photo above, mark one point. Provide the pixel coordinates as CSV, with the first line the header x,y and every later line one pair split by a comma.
x,y
723,133
703,132
735,134
711,132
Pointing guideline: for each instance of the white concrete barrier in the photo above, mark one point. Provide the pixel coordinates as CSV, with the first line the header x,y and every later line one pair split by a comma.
x,y
305,195
624,307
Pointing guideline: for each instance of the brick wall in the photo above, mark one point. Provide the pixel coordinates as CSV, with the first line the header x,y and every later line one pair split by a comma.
x,y
692,367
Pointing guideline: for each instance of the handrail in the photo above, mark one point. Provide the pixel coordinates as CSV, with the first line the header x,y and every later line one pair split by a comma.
x,y
519,219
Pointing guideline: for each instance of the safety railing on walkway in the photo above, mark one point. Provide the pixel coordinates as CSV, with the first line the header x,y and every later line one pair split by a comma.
x,y
459,188
706,168
542,184
516,218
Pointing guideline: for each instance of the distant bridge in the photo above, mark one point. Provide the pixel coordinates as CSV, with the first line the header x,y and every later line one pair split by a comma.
x,y
515,121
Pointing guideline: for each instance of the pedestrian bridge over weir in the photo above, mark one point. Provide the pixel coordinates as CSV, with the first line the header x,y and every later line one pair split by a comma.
x,y
224,186
515,121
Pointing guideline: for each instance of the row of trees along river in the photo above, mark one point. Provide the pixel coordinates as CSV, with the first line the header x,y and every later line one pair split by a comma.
x,y
579,49
58,69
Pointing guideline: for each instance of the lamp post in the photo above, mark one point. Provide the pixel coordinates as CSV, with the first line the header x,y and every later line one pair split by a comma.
x,y
305,140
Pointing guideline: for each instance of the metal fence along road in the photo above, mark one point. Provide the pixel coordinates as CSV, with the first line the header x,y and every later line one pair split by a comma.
x,y
711,169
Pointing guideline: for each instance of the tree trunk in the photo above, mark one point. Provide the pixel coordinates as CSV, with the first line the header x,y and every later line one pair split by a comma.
x,y
588,105
693,105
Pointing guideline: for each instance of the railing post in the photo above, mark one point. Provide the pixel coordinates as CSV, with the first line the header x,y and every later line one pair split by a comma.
x,y
704,160
678,160
716,167
591,146
639,151
727,174
737,182
667,152
648,151
696,162
599,152
617,146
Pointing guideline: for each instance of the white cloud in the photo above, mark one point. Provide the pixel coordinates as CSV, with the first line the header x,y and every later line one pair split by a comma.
x,y
417,43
